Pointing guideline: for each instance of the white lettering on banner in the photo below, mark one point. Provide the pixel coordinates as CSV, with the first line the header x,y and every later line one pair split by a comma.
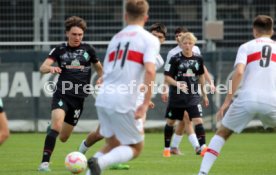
x,y
41,81
20,85
4,85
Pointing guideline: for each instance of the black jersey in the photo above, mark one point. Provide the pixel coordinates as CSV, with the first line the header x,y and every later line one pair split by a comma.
x,y
186,70
75,63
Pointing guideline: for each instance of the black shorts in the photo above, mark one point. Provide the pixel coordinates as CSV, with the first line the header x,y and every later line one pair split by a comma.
x,y
72,107
177,113
1,109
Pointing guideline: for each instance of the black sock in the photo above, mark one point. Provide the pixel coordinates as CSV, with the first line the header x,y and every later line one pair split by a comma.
x,y
49,145
168,132
200,134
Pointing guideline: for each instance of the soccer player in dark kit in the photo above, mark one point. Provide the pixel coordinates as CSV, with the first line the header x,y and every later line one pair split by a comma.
x,y
74,60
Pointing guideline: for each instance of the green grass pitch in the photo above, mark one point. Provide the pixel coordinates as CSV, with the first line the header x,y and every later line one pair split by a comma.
x,y
243,154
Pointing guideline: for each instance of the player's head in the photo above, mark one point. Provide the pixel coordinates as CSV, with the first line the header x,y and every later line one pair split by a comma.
x,y
159,30
187,41
179,31
136,11
75,28
262,25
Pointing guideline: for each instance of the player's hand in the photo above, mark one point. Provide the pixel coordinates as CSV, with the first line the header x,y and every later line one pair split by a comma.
x,y
151,105
164,97
54,70
182,86
213,88
205,101
99,81
141,111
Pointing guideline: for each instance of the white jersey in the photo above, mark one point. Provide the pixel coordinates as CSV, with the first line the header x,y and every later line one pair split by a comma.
x,y
141,96
123,67
259,81
178,49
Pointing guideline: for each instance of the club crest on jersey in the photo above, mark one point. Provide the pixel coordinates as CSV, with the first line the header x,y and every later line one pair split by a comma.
x,y
86,56
75,64
189,73
60,103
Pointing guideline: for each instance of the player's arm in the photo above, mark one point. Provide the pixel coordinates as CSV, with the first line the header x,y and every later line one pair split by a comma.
x,y
209,79
203,93
165,89
99,69
236,79
47,67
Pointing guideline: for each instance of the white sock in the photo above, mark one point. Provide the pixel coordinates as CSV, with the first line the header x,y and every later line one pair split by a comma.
x,y
215,146
193,140
98,154
119,154
83,148
176,140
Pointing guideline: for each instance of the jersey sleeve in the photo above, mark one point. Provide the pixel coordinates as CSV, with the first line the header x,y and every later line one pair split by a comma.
x,y
241,55
201,66
152,50
53,54
92,53
172,68
196,50
159,62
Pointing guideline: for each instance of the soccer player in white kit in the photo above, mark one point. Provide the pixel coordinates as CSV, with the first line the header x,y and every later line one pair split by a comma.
x,y
129,61
160,31
255,67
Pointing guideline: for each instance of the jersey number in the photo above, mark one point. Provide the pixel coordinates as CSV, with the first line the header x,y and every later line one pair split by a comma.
x,y
266,56
118,55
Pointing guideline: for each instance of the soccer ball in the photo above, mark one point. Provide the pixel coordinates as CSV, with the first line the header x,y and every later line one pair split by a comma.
x,y
75,162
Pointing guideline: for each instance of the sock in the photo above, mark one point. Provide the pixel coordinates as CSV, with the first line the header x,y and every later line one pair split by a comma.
x,y
49,145
200,133
168,132
119,154
83,147
176,140
193,140
98,154
212,153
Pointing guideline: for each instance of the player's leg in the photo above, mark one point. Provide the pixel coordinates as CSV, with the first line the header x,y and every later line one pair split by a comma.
x,y
214,148
195,114
4,129
235,120
58,116
123,126
200,133
91,139
191,134
168,132
177,137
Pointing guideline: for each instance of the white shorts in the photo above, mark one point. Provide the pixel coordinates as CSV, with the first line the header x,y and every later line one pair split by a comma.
x,y
122,125
240,114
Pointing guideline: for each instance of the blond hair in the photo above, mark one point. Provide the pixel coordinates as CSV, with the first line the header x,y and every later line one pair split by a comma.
x,y
188,35
137,9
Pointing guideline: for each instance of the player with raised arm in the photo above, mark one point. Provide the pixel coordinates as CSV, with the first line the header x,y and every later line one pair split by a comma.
x,y
184,72
74,60
4,129
255,67
130,61
173,139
